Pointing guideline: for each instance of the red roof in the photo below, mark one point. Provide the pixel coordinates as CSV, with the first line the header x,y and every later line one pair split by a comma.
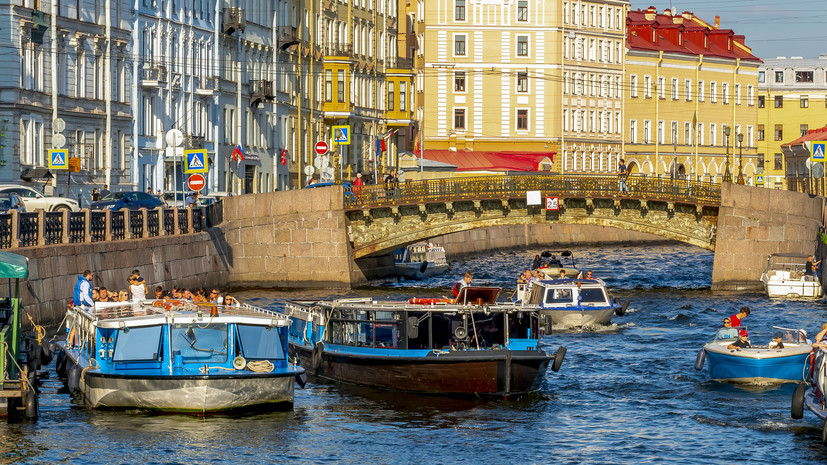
x,y
683,33
490,161
812,134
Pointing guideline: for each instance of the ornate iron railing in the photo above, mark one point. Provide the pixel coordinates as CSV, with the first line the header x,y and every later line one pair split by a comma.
x,y
77,227
117,226
136,223
152,223
507,187
5,231
53,228
27,229
97,226
169,222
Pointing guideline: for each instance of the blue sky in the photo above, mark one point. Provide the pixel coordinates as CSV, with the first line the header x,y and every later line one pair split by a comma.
x,y
772,28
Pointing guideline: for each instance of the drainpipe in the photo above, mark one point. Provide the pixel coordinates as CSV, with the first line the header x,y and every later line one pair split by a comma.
x,y
697,115
107,96
53,67
657,108
216,76
241,115
136,103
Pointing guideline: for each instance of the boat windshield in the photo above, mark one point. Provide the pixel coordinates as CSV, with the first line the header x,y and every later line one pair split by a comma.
x,y
791,334
727,334
559,296
592,295
260,342
200,344
138,344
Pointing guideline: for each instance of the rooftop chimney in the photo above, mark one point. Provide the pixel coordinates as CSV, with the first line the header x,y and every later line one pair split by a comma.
x,y
717,22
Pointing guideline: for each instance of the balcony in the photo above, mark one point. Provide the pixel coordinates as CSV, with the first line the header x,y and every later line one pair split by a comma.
x,y
288,35
206,86
233,19
338,50
153,75
261,91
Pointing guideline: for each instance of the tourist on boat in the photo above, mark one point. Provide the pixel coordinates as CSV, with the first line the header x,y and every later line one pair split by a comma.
x,y
465,281
231,301
215,296
83,290
186,294
736,319
136,288
727,332
103,295
776,342
525,278
812,267
563,274
159,292
177,293
537,262
821,337
95,294
742,342
123,296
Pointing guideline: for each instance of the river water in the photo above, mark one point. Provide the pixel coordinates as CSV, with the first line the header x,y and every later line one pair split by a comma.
x,y
627,393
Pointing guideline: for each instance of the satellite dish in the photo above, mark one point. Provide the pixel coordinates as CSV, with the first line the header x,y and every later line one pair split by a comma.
x,y
58,125
319,163
309,170
58,141
818,170
174,138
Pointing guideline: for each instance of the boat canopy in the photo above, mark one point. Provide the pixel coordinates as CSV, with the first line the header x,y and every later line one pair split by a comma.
x,y
13,265
478,295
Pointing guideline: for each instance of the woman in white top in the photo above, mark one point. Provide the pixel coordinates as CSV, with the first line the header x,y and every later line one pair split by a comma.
x,y
136,288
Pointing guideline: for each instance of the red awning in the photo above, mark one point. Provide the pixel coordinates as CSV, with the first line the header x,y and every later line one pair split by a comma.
x,y
491,161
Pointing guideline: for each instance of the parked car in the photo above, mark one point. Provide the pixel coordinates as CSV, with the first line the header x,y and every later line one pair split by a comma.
x,y
132,200
174,199
347,185
34,200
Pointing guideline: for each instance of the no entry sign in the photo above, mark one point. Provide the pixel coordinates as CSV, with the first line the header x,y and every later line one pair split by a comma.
x,y
321,147
196,182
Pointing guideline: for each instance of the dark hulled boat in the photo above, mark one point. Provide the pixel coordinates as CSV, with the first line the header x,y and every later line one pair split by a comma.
x,y
424,345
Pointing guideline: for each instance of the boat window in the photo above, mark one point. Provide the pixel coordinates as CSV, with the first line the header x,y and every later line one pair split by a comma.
x,y
522,325
592,296
384,316
200,343
418,324
365,334
535,295
558,296
385,335
260,342
136,344
490,330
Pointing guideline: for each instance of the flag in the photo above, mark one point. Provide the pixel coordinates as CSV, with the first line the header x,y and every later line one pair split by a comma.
x,y
238,153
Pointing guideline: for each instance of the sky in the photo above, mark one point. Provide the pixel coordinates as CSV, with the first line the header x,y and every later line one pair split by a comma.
x,y
772,28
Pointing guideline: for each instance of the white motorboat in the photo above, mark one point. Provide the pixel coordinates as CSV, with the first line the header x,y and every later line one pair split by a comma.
x,y
420,260
556,261
785,277
571,302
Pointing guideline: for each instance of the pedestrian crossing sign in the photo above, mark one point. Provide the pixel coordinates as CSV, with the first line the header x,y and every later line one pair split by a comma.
x,y
818,150
58,160
759,179
341,135
195,161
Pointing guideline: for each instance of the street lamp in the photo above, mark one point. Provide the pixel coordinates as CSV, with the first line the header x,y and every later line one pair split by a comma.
x,y
727,172
740,159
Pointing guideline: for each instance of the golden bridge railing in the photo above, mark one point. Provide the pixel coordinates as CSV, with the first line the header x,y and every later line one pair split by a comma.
x,y
507,187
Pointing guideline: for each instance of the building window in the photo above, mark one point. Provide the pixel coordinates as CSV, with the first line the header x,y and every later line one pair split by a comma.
x,y
662,88
633,132
687,90
459,118
779,132
647,132
761,101
779,101
674,132
805,102
522,120
674,88
522,81
750,95
459,10
713,92
803,76
328,85
779,76
725,93
737,94
687,133
459,81
522,46
760,132
522,10
340,90
701,95
712,133
633,87
459,45
661,135
391,96
779,162
403,96
762,76
699,131
803,129
647,86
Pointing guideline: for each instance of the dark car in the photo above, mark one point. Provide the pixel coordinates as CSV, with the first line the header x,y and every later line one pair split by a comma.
x,y
348,187
132,200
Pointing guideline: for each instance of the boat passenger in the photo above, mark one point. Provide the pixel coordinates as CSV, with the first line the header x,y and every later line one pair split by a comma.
x,y
95,294
123,296
200,295
524,278
537,262
215,296
821,337
589,274
103,295
811,268
465,281
563,274
186,294
736,319
177,293
138,275
83,290
159,292
137,288
727,332
741,343
776,342
231,301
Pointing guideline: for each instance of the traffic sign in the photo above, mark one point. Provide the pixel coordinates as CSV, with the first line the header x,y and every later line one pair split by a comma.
x,y
196,182
58,160
341,135
195,161
553,203
818,150
321,147
759,179
74,165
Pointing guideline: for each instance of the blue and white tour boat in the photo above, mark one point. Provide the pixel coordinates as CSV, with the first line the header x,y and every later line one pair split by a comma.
x,y
178,356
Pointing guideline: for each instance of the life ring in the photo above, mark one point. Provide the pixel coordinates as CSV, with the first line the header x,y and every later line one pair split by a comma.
x,y
797,407
428,301
316,359
699,359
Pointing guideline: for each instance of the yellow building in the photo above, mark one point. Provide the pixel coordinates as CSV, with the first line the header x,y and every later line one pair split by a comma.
x,y
792,97
690,98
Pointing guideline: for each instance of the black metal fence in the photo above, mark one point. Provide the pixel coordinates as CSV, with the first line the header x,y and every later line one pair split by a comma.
x,y
65,227
505,187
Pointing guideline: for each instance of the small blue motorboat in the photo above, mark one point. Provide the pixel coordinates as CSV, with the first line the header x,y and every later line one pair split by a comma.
x,y
571,302
178,356
758,364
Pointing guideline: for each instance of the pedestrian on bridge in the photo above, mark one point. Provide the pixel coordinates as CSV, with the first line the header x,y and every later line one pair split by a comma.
x,y
623,173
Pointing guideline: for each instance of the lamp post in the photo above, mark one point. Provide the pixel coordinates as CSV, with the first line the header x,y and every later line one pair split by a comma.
x,y
727,172
740,159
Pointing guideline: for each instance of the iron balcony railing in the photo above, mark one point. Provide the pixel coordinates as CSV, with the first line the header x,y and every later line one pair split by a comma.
x,y
515,187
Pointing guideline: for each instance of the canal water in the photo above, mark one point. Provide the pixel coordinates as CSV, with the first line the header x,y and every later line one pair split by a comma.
x,y
627,393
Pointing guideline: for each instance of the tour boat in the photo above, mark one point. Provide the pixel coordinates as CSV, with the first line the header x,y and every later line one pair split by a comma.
x,y
757,364
178,356
558,260
420,260
20,353
472,346
784,277
571,303
812,393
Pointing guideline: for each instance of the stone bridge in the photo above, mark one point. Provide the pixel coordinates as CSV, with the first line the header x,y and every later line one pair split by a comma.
x,y
381,219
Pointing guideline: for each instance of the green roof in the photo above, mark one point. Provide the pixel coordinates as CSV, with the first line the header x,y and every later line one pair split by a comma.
x,y
13,265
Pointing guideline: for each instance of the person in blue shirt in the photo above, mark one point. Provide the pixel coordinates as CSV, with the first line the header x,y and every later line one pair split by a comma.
x,y
83,290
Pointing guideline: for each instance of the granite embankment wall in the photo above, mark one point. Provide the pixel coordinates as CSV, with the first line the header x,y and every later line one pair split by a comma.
x,y
755,222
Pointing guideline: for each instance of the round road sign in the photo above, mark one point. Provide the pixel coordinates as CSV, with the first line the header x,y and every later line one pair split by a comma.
x,y
196,182
321,147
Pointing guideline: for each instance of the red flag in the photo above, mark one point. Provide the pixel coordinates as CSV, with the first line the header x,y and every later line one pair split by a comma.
x,y
238,153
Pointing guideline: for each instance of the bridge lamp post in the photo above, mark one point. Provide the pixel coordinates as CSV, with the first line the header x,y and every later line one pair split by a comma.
x,y
727,172
740,159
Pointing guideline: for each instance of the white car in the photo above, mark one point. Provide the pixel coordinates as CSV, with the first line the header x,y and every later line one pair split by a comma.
x,y
34,200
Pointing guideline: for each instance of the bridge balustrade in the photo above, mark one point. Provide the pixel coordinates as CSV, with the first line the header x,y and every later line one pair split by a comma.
x,y
506,187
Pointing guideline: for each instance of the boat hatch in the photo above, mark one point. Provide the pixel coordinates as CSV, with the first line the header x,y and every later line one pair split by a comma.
x,y
200,343
478,295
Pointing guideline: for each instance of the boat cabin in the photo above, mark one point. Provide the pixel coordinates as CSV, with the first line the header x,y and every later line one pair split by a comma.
x,y
567,293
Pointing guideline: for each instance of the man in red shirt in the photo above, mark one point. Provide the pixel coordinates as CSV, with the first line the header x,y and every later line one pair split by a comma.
x,y
736,319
